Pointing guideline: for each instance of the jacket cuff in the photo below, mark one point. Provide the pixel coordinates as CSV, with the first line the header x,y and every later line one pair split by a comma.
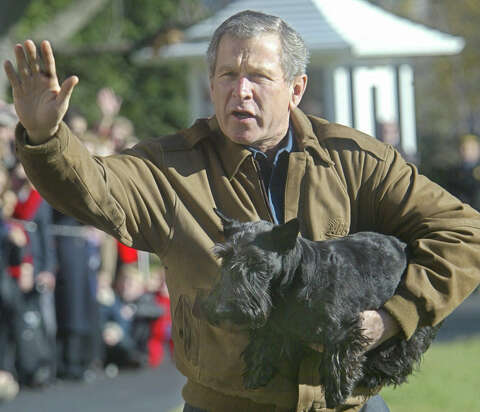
x,y
56,144
405,312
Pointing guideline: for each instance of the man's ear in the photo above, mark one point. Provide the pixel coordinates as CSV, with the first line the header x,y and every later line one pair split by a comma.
x,y
298,86
230,226
285,236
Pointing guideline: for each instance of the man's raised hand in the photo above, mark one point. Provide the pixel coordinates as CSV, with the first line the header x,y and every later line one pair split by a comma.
x,y
40,102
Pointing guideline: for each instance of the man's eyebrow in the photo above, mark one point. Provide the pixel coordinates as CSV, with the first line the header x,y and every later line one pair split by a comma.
x,y
226,67
262,69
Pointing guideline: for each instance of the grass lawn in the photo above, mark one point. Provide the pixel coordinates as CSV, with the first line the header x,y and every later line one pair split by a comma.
x,y
448,381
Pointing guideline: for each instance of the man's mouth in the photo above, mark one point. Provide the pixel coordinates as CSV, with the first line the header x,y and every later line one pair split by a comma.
x,y
242,115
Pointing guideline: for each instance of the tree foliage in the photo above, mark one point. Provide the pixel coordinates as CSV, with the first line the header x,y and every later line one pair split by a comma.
x,y
154,97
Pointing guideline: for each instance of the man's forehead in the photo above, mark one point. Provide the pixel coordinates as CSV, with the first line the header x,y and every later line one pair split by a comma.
x,y
261,51
263,38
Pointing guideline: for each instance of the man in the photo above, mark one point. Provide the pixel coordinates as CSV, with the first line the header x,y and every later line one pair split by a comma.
x,y
259,157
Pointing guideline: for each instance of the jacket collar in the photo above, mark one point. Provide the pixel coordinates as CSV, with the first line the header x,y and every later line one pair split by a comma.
x,y
307,138
233,155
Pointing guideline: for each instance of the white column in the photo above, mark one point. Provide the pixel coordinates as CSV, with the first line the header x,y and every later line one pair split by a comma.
x,y
341,93
407,99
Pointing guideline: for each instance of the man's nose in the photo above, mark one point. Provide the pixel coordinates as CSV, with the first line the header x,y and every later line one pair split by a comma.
x,y
243,88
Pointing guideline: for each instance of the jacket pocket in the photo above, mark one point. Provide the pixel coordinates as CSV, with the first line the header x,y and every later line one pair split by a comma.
x,y
185,330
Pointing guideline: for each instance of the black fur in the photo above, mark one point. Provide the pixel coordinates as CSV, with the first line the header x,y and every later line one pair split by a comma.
x,y
291,292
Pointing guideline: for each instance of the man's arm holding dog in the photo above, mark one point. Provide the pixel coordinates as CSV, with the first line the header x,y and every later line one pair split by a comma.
x,y
378,326
443,238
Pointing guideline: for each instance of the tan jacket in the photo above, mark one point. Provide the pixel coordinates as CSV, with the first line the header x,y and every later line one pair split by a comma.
x,y
159,196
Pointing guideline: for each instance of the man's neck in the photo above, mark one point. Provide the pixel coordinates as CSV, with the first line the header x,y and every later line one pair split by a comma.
x,y
270,151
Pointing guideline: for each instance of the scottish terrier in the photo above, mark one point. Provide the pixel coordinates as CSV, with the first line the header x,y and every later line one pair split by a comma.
x,y
293,294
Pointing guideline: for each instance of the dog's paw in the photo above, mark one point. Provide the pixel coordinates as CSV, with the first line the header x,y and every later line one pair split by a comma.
x,y
258,376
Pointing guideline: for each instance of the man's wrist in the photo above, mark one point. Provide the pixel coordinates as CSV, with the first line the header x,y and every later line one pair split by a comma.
x,y
37,138
378,326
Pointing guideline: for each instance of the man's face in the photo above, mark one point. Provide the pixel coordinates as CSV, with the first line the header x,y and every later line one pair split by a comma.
x,y
252,100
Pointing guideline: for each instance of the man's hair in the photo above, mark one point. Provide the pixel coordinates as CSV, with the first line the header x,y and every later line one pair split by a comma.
x,y
248,24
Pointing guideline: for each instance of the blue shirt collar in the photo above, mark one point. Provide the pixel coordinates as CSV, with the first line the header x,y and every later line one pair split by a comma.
x,y
286,146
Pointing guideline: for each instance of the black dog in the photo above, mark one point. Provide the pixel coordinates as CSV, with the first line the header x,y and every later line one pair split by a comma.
x,y
291,293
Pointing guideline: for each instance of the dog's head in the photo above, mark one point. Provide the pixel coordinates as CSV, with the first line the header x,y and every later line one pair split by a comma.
x,y
252,259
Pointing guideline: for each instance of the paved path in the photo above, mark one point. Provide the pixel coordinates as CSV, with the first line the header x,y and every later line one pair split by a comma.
x,y
158,390
146,390
464,322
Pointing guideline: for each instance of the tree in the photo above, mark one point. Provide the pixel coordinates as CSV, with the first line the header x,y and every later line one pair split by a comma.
x,y
52,26
96,40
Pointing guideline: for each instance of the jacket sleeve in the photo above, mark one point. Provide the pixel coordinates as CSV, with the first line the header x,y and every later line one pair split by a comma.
x,y
443,235
124,195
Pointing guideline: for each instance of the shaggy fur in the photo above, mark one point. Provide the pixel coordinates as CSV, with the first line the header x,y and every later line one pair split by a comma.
x,y
291,292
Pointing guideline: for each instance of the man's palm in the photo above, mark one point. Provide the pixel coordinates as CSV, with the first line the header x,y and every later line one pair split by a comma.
x,y
39,100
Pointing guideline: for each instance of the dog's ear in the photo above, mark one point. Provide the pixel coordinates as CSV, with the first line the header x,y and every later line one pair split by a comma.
x,y
230,226
285,236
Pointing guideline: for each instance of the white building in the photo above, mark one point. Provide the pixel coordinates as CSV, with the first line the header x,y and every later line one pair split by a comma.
x,y
361,71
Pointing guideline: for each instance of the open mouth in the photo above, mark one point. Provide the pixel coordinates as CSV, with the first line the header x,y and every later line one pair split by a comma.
x,y
241,115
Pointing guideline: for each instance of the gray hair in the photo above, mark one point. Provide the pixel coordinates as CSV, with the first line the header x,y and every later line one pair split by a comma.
x,y
248,24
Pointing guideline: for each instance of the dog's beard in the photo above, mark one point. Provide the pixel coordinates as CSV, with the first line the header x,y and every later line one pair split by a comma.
x,y
238,305
258,305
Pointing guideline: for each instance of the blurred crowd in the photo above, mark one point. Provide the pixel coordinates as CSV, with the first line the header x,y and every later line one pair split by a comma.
x,y
74,302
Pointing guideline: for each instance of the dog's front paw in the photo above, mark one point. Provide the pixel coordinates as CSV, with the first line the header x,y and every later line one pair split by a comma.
x,y
258,376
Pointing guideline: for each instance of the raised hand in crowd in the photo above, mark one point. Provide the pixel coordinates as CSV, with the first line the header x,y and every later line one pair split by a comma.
x,y
108,102
40,101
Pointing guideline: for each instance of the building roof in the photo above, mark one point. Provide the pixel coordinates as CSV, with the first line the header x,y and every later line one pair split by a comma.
x,y
350,28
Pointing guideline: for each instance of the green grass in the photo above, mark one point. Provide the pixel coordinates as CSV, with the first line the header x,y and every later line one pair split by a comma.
x,y
448,381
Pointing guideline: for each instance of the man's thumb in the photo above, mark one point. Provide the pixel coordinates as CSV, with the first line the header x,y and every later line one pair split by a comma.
x,y
67,88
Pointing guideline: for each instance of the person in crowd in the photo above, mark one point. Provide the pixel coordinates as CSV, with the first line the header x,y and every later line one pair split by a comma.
x,y
36,217
258,157
75,297
161,328
463,180
26,351
8,119
126,319
12,242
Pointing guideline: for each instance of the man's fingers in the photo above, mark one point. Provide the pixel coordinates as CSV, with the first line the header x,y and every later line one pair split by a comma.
x,y
22,65
31,52
48,59
67,88
12,75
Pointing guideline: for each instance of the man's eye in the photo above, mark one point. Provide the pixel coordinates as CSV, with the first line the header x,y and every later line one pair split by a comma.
x,y
260,76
